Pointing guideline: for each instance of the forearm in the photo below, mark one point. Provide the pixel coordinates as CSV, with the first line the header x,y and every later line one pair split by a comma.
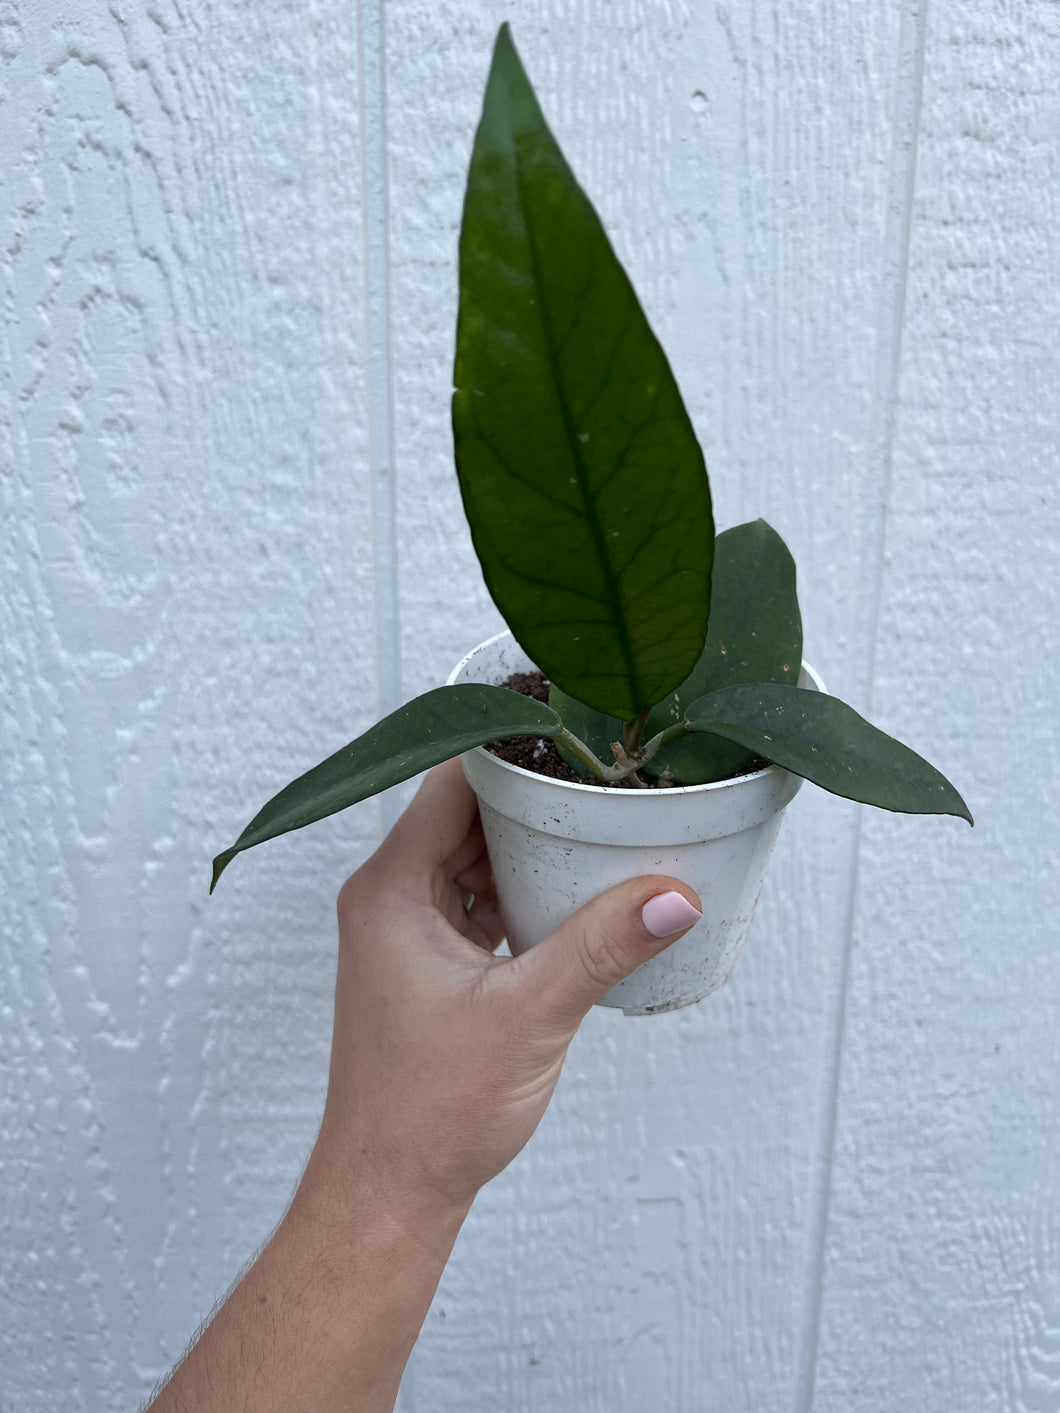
x,y
327,1315
443,1060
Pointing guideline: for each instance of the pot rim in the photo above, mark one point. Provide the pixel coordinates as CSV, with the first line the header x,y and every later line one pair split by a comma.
x,y
733,782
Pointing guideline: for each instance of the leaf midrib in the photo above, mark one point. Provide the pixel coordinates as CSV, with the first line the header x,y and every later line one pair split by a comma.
x,y
568,423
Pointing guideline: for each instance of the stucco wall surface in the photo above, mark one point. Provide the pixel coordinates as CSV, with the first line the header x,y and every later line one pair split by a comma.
x,y
231,536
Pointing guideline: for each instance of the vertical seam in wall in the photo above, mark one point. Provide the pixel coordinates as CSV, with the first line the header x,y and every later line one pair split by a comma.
x,y
890,328
382,476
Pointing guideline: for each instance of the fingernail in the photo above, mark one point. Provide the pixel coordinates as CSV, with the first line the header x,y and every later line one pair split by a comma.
x,y
668,913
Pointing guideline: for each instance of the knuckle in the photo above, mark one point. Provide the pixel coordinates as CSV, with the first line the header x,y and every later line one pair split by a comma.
x,y
602,960
351,896
346,901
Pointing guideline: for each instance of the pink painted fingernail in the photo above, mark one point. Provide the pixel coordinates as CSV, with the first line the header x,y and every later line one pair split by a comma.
x,y
668,913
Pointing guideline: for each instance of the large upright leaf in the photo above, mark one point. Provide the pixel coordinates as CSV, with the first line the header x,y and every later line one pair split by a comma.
x,y
755,635
824,740
431,728
582,480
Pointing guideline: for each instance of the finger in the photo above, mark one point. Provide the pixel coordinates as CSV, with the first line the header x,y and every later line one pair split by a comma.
x,y
485,914
468,853
478,878
601,944
435,824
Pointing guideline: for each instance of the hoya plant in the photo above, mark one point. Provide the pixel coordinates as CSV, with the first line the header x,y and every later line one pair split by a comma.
x,y
673,655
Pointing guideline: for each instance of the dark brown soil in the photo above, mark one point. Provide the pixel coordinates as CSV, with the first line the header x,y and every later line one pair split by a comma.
x,y
537,753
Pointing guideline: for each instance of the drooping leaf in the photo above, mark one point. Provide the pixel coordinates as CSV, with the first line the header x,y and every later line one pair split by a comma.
x,y
432,728
754,635
823,740
592,728
583,483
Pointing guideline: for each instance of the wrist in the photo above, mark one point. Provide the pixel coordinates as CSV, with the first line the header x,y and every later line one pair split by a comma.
x,y
349,1205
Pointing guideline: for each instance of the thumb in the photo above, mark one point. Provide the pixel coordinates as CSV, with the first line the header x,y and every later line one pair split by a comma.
x,y
602,943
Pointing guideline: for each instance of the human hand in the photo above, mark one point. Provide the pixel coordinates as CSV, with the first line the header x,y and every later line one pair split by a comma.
x,y
444,1056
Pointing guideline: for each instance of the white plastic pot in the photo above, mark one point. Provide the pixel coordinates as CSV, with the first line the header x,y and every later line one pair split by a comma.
x,y
555,845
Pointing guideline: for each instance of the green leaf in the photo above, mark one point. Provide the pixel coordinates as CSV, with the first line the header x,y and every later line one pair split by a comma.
x,y
824,740
755,635
583,483
430,729
697,759
592,728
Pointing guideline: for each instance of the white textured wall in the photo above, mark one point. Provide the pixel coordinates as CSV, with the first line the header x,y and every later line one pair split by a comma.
x,y
231,534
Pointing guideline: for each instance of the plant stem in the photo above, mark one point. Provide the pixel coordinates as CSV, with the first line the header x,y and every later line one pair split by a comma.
x,y
588,758
632,731
663,738
627,763
629,767
611,773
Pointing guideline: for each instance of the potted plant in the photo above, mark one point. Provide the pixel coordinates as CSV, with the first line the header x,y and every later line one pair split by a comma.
x,y
677,695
